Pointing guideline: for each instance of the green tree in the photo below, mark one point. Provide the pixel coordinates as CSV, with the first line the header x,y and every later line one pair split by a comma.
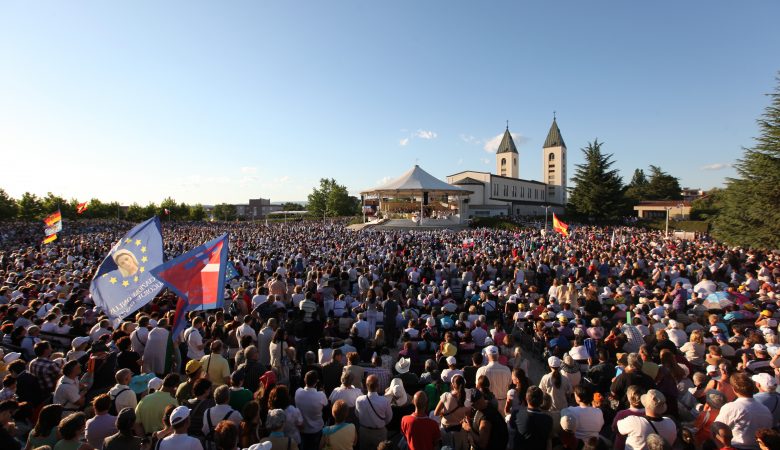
x,y
708,207
178,211
750,216
150,210
30,207
662,186
635,191
196,213
290,206
598,190
331,200
8,207
52,203
136,213
224,211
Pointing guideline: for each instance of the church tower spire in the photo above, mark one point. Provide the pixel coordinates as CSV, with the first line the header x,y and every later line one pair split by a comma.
x,y
507,156
554,165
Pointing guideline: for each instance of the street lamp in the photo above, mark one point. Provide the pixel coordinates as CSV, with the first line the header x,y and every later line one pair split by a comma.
x,y
668,208
546,207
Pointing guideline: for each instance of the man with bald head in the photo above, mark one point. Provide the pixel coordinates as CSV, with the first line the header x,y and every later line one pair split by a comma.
x,y
421,432
374,413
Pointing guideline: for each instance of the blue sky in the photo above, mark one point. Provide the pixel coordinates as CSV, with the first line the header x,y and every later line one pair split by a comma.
x,y
223,101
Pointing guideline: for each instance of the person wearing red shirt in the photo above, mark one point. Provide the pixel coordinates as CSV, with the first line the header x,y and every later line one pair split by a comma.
x,y
421,432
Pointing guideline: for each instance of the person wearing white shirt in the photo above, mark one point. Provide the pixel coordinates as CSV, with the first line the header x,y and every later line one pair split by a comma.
x,y
246,329
745,415
311,402
589,420
180,440
346,391
374,414
264,341
68,392
140,335
194,339
362,327
638,428
478,334
676,335
221,411
500,376
121,394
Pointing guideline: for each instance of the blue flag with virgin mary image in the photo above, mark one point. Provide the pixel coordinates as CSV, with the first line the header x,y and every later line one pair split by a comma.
x,y
124,282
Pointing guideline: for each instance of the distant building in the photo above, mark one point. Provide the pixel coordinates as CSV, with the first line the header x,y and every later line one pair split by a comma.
x,y
257,208
652,210
691,194
504,193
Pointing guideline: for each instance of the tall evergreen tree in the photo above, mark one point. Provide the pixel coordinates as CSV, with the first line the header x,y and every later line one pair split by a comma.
x,y
662,186
635,191
598,191
8,207
750,215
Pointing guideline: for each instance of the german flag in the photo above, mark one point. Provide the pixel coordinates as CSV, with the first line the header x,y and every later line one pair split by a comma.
x,y
560,227
53,218
81,207
48,239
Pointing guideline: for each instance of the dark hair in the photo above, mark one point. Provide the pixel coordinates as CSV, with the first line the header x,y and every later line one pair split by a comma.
x,y
556,376
123,344
69,367
534,397
71,424
41,347
311,378
770,438
48,418
584,393
167,415
340,411
171,380
201,386
742,384
460,385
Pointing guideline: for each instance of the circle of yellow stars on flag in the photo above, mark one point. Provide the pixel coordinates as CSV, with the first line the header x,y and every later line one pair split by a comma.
x,y
137,243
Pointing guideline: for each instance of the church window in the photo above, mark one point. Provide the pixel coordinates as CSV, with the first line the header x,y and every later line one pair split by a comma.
x,y
551,157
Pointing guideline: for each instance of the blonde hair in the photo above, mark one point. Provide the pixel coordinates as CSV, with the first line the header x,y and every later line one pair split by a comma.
x,y
697,337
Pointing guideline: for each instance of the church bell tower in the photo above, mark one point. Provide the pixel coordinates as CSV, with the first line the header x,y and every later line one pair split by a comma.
x,y
507,156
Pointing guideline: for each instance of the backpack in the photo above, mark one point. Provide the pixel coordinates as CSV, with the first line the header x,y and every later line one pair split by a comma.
x,y
209,444
112,410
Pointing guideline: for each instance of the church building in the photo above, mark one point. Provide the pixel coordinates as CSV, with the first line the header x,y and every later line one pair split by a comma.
x,y
505,193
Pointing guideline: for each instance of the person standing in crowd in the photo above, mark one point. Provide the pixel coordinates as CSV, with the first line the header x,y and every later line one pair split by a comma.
x,y
488,429
103,424
534,428
124,438
589,420
555,385
151,408
745,415
374,414
341,435
500,376
180,440
276,423
637,428
768,395
215,366
420,431
311,403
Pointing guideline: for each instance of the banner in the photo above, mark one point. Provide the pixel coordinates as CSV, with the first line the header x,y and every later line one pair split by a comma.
x,y
197,277
124,282
53,229
53,218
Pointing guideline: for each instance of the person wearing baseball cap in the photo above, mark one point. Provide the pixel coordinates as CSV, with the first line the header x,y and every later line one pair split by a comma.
x,y
556,385
768,395
451,370
180,440
499,375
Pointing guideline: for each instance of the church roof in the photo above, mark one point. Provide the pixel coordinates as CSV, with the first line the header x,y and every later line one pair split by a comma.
x,y
554,138
507,144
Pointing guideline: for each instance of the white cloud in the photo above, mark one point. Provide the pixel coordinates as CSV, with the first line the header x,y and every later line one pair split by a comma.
x,y
425,134
469,139
486,161
383,180
491,145
283,179
403,142
716,166
249,170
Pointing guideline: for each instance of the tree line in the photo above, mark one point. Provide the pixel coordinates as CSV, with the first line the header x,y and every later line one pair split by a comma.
x,y
745,213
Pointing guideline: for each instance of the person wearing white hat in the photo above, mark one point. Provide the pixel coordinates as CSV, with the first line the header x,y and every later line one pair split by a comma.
x,y
180,440
768,395
638,428
556,385
499,375
451,370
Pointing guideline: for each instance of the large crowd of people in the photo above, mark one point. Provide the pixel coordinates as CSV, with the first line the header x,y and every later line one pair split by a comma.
x,y
381,339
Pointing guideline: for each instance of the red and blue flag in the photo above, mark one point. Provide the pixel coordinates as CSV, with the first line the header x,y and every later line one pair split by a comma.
x,y
197,277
